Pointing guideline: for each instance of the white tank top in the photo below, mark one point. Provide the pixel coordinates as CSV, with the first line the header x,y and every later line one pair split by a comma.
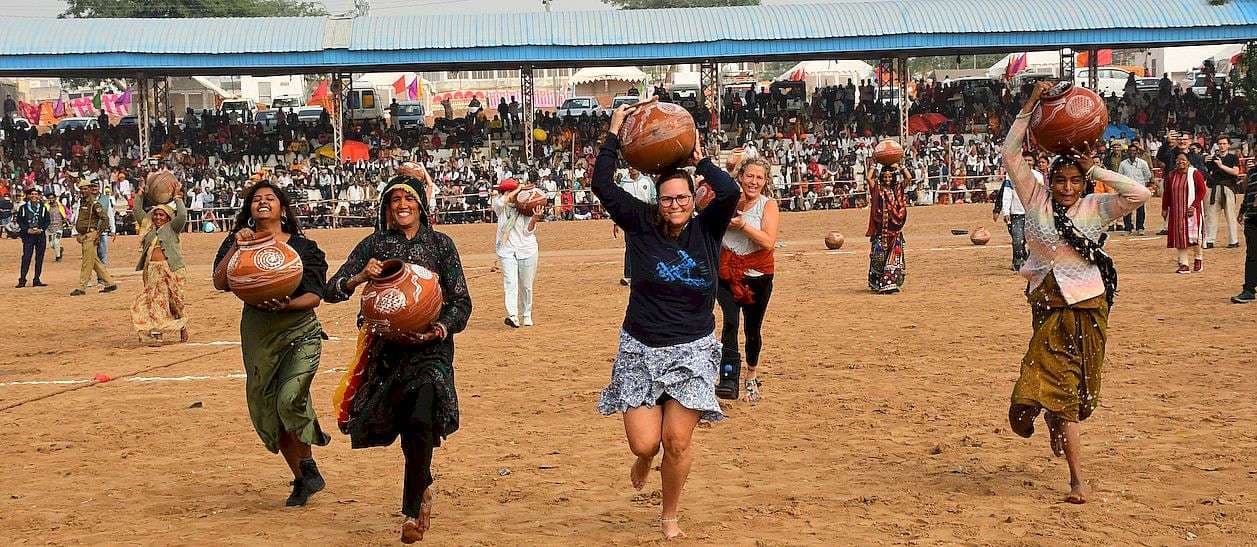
x,y
738,242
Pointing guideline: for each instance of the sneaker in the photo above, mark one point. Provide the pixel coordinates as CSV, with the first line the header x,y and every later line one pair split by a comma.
x,y
78,292
511,322
1233,245
110,288
624,281
727,387
310,483
1163,233
1139,232
1198,265
1244,297
1183,269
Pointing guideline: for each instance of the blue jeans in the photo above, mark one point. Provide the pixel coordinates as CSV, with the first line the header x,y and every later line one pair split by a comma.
x,y
1017,230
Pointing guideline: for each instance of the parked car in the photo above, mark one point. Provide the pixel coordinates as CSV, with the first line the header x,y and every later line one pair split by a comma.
x,y
267,119
129,121
309,114
624,99
409,115
86,124
1110,81
576,106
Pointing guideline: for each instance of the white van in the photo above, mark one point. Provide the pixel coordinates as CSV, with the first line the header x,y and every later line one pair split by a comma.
x,y
1110,81
364,103
239,110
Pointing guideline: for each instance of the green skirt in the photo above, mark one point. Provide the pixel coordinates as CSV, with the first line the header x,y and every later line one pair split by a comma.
x,y
1061,370
281,355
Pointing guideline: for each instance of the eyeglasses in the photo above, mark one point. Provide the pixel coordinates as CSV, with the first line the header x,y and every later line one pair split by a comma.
x,y
678,201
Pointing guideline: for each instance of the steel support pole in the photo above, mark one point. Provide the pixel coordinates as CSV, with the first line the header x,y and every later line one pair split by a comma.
x,y
1093,75
527,89
161,101
709,81
144,117
1067,65
902,74
338,89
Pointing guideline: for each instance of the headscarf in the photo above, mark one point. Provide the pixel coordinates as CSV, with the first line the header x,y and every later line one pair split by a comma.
x,y
414,187
148,222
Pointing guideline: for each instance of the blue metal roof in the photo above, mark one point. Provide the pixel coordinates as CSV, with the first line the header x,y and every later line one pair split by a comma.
x,y
872,28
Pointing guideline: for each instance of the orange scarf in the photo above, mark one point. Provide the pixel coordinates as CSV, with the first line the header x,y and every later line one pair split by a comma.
x,y
733,269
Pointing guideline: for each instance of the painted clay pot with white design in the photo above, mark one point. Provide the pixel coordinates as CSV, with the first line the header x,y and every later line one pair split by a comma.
x,y
657,137
160,187
264,269
888,152
1068,117
834,241
702,195
404,298
528,201
980,236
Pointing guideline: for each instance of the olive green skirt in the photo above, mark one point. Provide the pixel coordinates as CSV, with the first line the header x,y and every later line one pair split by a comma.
x,y
1061,370
281,355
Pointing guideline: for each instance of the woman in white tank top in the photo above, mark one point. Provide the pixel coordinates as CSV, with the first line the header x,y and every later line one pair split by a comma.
x,y
746,277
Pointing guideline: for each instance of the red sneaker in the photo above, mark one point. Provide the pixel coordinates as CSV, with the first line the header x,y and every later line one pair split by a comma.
x,y
1183,269
1198,266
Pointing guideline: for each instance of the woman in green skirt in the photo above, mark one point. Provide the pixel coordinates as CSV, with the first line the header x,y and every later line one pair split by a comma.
x,y
281,340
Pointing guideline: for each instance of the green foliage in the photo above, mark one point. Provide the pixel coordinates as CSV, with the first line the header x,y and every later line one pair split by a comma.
x,y
1247,80
657,4
166,9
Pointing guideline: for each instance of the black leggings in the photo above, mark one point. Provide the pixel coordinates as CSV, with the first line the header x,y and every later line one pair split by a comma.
x,y
417,447
761,290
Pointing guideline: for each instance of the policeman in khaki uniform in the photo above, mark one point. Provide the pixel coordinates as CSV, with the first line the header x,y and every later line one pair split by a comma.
x,y
91,223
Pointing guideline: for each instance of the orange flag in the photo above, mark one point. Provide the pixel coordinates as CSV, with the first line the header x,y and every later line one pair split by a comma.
x,y
322,97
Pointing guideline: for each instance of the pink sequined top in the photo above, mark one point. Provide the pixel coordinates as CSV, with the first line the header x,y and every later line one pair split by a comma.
x,y
1049,252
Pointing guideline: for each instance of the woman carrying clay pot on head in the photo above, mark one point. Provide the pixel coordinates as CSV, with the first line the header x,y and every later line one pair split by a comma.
x,y
1071,285
159,307
405,388
663,379
888,213
281,339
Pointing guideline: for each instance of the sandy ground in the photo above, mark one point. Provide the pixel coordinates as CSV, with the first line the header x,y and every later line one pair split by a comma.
x,y
884,417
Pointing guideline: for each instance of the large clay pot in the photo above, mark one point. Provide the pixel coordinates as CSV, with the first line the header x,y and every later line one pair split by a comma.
x,y
264,269
160,187
980,236
404,298
657,137
1067,117
735,159
834,241
528,201
888,152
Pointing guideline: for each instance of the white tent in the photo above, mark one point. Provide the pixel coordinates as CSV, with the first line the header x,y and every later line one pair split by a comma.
x,y
602,73
827,73
1037,62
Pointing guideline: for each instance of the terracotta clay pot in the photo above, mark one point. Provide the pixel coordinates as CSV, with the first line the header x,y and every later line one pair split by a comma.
x,y
888,152
731,164
1067,117
528,201
404,298
657,137
264,269
834,241
980,236
160,187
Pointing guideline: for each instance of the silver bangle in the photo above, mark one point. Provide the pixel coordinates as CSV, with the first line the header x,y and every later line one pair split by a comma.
x,y
1024,115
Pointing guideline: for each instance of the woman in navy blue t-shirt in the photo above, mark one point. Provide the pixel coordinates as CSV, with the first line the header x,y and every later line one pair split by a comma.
x,y
664,377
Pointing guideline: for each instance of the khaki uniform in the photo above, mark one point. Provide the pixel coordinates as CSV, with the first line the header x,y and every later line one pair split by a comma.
x,y
91,223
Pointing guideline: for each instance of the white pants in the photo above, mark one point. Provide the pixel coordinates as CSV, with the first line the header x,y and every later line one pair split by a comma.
x,y
1224,205
1195,252
517,274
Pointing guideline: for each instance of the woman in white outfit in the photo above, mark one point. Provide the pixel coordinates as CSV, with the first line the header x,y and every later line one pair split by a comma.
x,y
517,252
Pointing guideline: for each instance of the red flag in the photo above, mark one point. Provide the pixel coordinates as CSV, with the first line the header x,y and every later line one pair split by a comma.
x,y
29,111
1016,64
400,85
1103,57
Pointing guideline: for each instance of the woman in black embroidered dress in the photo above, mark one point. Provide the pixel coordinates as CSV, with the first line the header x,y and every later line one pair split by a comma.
x,y
407,389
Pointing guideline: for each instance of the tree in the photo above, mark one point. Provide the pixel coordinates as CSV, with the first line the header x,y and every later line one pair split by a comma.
x,y
167,9
655,4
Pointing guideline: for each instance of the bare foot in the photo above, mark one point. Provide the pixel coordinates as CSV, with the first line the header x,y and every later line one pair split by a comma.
x,y
641,468
1078,493
671,528
413,529
1056,434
